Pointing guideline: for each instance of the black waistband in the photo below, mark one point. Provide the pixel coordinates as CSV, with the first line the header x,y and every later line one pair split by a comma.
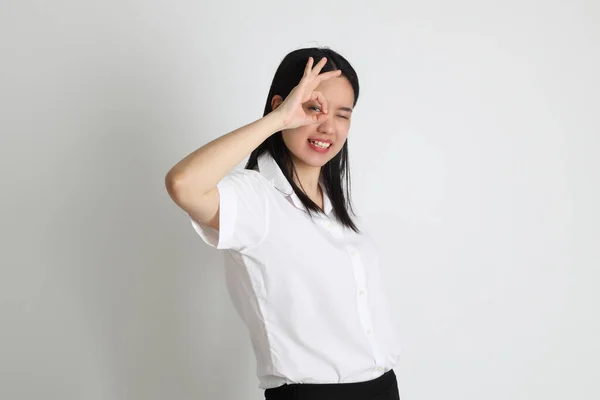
x,y
352,390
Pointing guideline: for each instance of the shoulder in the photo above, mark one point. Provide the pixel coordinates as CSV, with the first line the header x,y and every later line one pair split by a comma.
x,y
249,176
246,180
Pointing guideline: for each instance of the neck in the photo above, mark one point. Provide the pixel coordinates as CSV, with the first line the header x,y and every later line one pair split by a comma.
x,y
307,178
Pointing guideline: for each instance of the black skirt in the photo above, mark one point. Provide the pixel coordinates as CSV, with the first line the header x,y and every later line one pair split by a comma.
x,y
383,388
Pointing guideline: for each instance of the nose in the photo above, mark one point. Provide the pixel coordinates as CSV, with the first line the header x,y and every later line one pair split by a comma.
x,y
327,125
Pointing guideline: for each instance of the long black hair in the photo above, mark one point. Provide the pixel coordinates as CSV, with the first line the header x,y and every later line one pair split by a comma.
x,y
336,171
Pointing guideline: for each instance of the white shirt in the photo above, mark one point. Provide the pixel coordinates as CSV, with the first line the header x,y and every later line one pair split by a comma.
x,y
310,293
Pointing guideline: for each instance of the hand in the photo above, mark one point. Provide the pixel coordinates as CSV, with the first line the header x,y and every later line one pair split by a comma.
x,y
296,109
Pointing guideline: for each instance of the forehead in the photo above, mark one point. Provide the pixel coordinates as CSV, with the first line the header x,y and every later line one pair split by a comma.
x,y
337,90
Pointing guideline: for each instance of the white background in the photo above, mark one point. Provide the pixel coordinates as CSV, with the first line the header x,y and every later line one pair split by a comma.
x,y
474,152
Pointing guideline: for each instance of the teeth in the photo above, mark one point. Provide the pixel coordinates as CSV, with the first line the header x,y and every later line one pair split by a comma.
x,y
320,144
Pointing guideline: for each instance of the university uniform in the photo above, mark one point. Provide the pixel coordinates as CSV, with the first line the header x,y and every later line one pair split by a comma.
x,y
311,293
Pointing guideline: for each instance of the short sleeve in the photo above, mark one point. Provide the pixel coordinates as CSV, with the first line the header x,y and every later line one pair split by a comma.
x,y
243,209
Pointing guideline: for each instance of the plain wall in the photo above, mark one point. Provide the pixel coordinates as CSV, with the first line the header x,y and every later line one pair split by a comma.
x,y
474,154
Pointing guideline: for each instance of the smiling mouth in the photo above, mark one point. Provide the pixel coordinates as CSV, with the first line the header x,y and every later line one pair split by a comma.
x,y
321,145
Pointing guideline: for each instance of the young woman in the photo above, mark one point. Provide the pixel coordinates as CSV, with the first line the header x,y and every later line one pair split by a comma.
x,y
301,274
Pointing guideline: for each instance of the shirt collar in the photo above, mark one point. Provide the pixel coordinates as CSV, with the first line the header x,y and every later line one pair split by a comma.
x,y
269,168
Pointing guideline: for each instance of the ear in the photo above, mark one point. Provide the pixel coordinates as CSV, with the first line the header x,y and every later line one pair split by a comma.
x,y
276,101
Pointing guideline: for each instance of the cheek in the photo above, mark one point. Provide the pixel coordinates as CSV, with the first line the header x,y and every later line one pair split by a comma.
x,y
294,137
342,136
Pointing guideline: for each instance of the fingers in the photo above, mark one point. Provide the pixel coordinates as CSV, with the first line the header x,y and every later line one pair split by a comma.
x,y
312,76
319,98
328,75
309,70
308,66
317,69
315,72
319,117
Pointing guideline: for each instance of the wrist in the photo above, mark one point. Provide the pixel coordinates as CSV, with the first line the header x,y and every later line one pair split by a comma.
x,y
276,121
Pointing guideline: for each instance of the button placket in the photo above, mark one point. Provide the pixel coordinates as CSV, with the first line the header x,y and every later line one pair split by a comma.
x,y
362,305
333,230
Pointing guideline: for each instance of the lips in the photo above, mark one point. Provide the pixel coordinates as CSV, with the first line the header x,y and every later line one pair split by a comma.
x,y
321,140
317,148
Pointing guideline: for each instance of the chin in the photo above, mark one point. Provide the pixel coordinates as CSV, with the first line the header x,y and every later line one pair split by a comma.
x,y
317,160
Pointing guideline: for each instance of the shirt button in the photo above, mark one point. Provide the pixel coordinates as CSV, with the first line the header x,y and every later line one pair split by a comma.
x,y
368,331
352,253
379,369
361,292
329,225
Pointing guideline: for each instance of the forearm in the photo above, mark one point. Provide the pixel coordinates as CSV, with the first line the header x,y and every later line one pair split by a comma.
x,y
206,166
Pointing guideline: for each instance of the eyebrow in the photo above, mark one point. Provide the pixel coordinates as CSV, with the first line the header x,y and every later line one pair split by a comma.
x,y
345,109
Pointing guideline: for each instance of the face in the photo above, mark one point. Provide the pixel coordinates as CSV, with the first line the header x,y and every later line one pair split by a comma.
x,y
340,96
